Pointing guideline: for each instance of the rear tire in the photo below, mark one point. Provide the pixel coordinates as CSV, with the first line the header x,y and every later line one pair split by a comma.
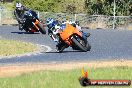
x,y
41,28
79,45
31,32
60,48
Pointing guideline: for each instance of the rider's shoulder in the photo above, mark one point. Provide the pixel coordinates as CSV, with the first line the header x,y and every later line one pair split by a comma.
x,y
25,8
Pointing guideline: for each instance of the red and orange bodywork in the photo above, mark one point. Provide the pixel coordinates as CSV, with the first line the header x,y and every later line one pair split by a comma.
x,y
68,32
36,22
35,25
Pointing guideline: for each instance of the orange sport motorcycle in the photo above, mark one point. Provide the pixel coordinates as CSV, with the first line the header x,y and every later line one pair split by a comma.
x,y
32,24
72,37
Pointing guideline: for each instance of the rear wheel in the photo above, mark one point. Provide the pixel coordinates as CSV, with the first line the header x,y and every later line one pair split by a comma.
x,y
60,48
31,31
80,44
41,28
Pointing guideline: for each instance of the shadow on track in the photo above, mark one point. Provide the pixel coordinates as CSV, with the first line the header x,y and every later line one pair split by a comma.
x,y
24,33
74,51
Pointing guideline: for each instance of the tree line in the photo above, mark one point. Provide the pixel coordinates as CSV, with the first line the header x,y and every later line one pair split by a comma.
x,y
91,7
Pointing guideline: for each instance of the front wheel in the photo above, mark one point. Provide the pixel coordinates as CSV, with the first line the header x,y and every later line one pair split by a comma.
x,y
41,28
79,45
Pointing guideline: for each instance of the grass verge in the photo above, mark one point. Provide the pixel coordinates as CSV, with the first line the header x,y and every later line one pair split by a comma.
x,y
10,47
7,6
65,79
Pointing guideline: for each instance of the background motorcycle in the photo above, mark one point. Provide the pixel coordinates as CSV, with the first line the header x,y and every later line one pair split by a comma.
x,y
32,23
72,37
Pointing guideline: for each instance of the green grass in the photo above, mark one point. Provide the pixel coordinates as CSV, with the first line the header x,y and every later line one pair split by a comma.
x,y
7,6
64,79
10,47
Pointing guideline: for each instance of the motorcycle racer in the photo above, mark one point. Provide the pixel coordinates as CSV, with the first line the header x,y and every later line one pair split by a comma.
x,y
20,13
54,27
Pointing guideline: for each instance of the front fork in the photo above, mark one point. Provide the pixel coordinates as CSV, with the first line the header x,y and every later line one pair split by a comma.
x,y
35,24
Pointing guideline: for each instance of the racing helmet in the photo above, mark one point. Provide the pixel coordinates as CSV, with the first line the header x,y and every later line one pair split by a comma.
x,y
51,23
18,6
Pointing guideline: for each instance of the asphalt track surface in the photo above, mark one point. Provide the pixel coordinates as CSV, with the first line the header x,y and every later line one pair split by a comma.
x,y
106,45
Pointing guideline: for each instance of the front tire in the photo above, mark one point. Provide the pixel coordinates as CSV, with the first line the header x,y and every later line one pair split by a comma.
x,y
41,28
79,45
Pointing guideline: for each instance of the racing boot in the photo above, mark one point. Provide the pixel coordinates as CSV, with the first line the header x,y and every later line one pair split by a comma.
x,y
20,27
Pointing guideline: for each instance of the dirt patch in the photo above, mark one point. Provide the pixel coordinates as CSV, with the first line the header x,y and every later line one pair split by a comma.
x,y
15,70
9,21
